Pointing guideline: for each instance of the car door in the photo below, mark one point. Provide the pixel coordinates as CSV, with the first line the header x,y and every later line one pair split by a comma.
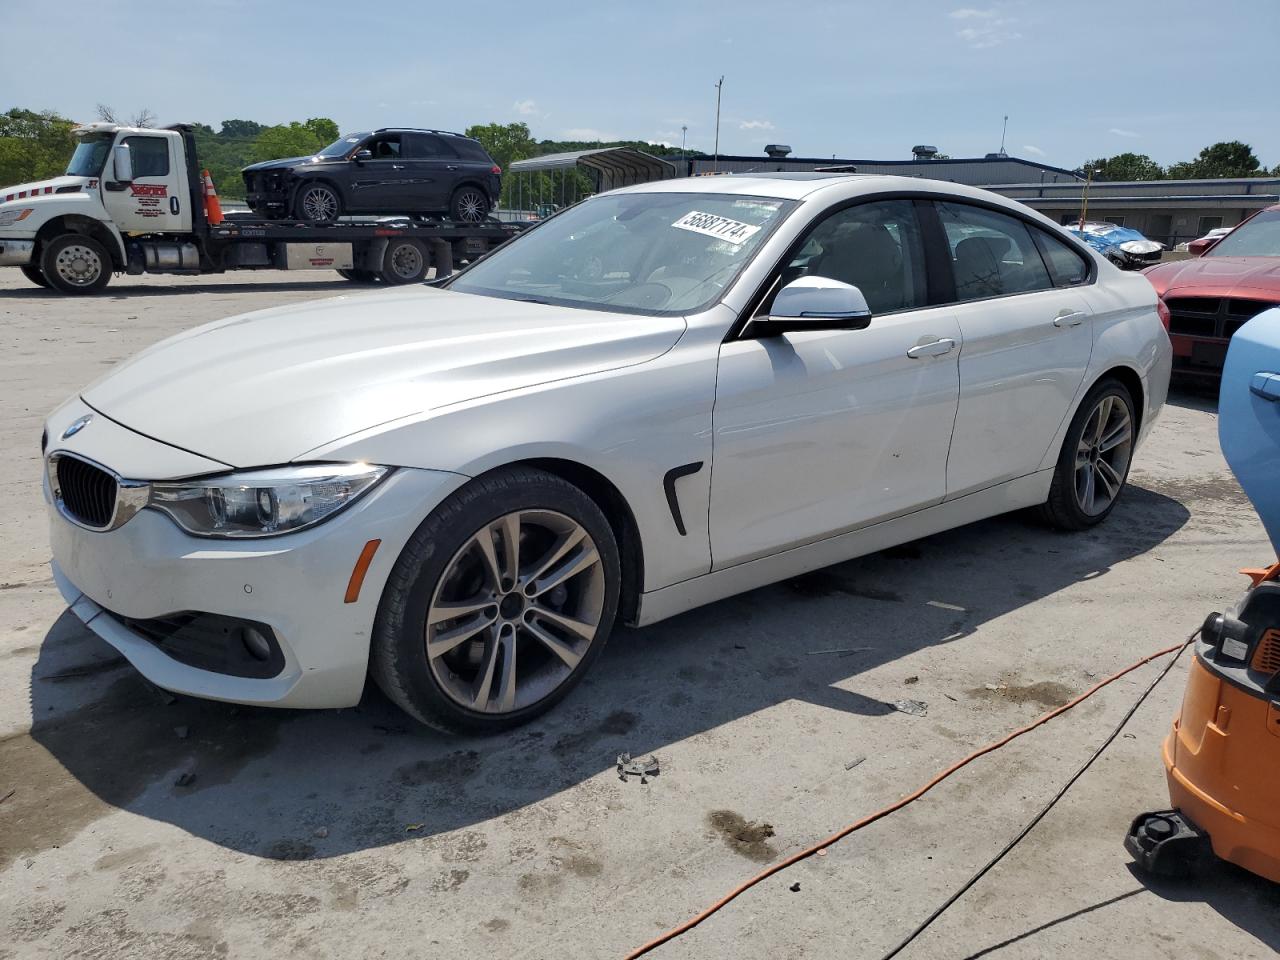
x,y
432,168
156,200
378,184
817,433
1027,341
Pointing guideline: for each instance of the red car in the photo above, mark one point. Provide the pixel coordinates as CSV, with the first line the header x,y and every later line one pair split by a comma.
x,y
1231,279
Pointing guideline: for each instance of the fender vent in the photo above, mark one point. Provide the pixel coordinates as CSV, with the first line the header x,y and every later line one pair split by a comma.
x,y
1266,659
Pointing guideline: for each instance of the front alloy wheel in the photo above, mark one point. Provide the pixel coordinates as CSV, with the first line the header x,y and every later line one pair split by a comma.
x,y
318,203
498,604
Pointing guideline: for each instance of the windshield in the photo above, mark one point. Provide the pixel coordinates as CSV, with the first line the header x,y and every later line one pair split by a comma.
x,y
1259,237
90,156
342,146
649,253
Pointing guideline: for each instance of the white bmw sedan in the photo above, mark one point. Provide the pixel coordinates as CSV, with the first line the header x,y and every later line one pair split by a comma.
x,y
660,397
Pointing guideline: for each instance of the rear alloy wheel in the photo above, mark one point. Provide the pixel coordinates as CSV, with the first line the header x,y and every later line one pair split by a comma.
x,y
35,275
317,203
1093,465
470,205
498,604
404,262
74,263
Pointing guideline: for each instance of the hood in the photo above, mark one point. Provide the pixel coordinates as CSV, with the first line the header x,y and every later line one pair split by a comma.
x,y
1251,277
284,164
267,387
40,188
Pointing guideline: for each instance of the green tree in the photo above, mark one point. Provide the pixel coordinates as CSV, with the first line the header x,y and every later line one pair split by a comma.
x,y
506,142
240,130
33,146
1224,159
326,130
1126,166
285,140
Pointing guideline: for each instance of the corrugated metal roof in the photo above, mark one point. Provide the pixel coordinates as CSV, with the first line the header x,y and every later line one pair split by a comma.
x,y
615,166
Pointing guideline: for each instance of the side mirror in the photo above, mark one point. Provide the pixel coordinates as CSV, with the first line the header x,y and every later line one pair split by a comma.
x,y
122,163
360,156
1198,248
815,303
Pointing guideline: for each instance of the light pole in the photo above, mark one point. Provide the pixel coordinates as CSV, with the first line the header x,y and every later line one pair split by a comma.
x,y
716,162
684,161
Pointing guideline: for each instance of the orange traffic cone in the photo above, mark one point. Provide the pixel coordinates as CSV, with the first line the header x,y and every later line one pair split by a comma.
x,y
212,208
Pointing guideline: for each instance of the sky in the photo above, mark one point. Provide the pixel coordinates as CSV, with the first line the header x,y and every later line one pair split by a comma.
x,y
853,80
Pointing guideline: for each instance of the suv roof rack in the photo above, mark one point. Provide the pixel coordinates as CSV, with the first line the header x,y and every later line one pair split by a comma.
x,y
447,133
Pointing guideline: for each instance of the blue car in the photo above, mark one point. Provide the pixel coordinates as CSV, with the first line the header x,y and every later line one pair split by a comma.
x,y
1126,248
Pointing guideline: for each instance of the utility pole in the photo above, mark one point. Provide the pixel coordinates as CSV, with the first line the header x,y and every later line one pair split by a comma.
x,y
684,161
716,162
1084,200
1003,133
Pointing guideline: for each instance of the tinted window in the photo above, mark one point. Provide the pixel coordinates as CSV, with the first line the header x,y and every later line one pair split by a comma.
x,y
1259,237
874,246
991,254
384,147
150,156
1068,266
469,150
426,146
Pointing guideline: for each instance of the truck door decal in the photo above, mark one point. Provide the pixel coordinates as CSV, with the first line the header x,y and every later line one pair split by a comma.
x,y
149,197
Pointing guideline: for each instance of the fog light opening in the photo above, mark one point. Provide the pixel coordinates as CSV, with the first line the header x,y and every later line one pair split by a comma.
x,y
259,646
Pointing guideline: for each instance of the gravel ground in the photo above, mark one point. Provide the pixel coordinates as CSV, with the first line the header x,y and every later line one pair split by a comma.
x,y
353,834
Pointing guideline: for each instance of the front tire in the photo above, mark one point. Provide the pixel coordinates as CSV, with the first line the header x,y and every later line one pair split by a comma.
x,y
317,203
1093,465
469,205
498,604
74,263
35,275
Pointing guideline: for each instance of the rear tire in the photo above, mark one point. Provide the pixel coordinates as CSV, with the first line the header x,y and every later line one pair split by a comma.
x,y
317,203
513,610
405,261
1093,464
470,204
35,275
74,263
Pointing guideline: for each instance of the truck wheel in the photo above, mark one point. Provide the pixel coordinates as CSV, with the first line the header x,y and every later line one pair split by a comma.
x,y
469,205
404,262
74,263
33,273
317,203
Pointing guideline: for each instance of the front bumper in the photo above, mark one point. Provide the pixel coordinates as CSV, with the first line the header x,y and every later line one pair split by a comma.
x,y
16,253
295,585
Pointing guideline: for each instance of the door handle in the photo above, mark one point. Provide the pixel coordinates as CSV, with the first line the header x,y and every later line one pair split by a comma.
x,y
935,349
397,166
1266,385
452,166
1070,318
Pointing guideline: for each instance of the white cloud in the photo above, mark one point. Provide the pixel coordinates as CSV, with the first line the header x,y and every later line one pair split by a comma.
x,y
588,133
755,125
526,108
1121,132
1033,150
989,27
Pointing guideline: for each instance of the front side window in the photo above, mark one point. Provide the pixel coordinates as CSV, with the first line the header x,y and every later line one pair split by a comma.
x,y
648,253
874,246
992,254
1258,237
90,156
150,156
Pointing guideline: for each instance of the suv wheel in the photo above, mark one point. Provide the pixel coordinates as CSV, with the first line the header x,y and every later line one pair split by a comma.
x,y
500,602
317,203
469,205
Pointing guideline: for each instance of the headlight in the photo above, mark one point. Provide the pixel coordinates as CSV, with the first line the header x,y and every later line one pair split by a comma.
x,y
14,214
264,503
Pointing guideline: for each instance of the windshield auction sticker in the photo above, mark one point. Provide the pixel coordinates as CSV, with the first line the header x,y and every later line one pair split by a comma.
x,y
722,228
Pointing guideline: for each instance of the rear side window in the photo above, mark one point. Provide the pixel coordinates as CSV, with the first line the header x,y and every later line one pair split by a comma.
x,y
992,254
426,146
150,156
1067,266
470,150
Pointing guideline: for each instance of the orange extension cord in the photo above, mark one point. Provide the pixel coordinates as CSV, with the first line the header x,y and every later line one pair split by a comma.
x,y
893,807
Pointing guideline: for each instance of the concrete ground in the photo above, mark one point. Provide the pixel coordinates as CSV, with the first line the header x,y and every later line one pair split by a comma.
x,y
355,834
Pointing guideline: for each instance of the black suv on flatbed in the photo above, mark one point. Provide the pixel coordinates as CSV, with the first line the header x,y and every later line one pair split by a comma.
x,y
389,171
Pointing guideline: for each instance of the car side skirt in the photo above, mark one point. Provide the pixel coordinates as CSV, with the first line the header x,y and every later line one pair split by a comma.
x,y
1014,494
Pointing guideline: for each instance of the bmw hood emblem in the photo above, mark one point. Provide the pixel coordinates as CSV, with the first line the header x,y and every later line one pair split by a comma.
x,y
77,426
